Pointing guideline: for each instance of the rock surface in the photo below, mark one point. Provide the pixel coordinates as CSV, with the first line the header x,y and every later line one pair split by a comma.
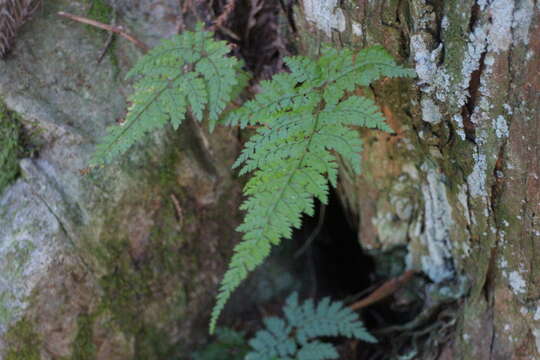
x,y
122,262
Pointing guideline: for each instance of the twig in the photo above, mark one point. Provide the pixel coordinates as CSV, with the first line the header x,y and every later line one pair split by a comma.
x,y
115,29
219,23
179,211
106,47
109,39
385,290
224,16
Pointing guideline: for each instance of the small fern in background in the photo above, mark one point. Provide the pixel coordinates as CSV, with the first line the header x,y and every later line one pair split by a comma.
x,y
188,71
296,336
303,120
228,345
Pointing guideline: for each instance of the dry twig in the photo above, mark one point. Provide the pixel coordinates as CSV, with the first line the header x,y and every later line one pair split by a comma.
x,y
385,290
178,208
115,29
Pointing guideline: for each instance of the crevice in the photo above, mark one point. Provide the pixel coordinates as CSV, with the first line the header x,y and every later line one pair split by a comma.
x,y
343,271
63,229
473,89
341,267
475,15
260,40
474,93
287,8
498,176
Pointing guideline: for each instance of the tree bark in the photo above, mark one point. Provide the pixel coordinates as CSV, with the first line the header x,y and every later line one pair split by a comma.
x,y
457,186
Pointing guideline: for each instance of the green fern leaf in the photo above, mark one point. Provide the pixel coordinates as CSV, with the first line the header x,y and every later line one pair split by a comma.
x,y
304,120
317,351
189,71
296,336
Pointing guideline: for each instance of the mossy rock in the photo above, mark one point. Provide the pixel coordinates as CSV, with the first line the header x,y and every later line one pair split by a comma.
x,y
23,342
9,147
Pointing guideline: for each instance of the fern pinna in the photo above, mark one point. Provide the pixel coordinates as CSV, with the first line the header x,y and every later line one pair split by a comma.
x,y
187,70
303,121
296,336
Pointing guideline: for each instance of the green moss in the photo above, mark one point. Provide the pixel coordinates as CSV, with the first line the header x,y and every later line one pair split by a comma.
x,y
150,344
100,11
18,255
5,313
22,342
130,286
83,346
10,148
228,345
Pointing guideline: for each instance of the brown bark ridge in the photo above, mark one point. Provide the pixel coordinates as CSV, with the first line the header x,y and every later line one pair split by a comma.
x,y
458,184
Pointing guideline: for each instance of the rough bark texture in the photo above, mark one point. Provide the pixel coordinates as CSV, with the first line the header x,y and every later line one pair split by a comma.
x,y
457,186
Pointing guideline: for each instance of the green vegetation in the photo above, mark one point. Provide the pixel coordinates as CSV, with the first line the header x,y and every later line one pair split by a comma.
x,y
228,345
22,342
297,336
9,147
100,11
83,347
294,337
303,121
188,70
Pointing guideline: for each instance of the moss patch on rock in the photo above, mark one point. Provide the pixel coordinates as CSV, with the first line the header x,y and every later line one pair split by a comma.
x,y
22,342
10,148
83,347
100,11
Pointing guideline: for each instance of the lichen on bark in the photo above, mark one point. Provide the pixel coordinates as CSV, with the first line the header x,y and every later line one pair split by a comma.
x,y
462,151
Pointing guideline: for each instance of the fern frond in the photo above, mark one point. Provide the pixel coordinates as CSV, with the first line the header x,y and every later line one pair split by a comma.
x,y
327,318
295,337
317,351
189,71
304,120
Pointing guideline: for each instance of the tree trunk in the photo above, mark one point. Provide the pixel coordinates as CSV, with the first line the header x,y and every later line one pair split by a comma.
x,y
457,187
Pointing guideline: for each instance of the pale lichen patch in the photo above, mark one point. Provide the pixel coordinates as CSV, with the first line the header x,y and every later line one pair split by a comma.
x,y
516,282
537,314
536,332
438,265
477,178
500,33
475,48
458,121
430,111
357,29
325,14
522,20
501,127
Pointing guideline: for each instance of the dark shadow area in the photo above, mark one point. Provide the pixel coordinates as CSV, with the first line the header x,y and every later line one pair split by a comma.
x,y
340,267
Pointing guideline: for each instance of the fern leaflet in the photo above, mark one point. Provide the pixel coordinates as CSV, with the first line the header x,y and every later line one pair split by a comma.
x,y
187,71
296,336
304,119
